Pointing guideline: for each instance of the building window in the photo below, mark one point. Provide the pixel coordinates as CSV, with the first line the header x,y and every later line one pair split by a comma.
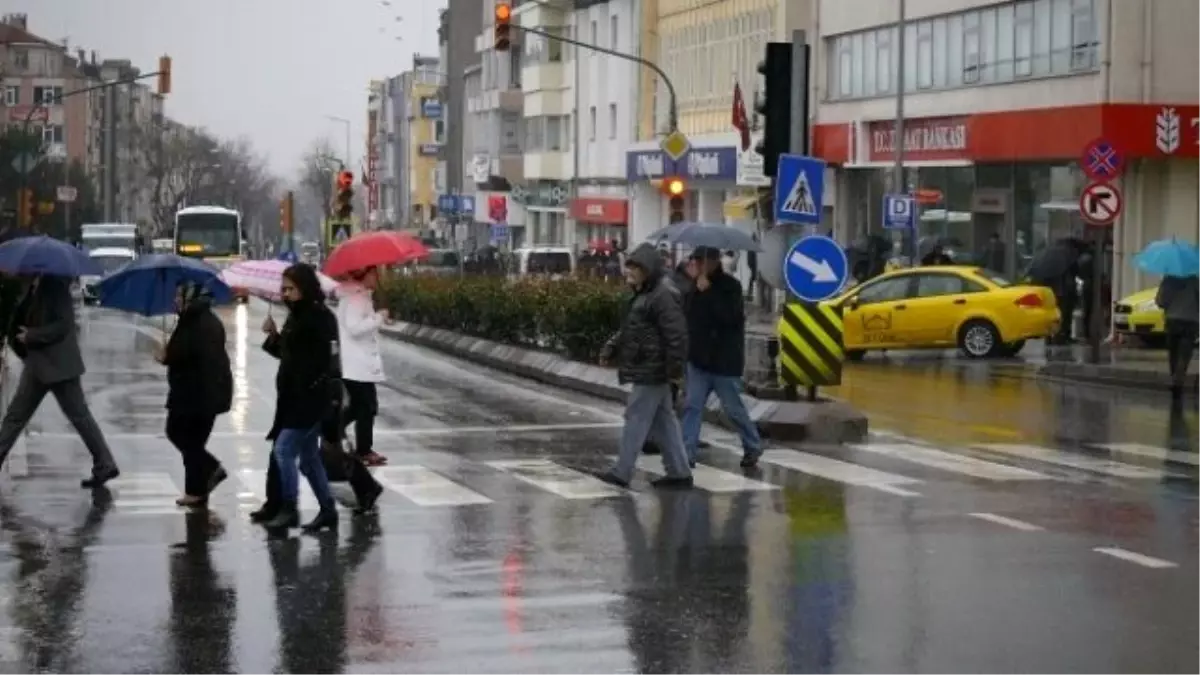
x,y
592,123
1002,43
52,133
12,95
595,34
613,34
47,95
612,120
924,55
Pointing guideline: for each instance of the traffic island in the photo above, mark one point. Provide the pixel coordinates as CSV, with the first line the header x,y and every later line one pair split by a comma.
x,y
825,420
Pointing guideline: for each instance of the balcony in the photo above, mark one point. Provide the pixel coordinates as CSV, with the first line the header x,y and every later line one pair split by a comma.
x,y
510,100
543,76
548,166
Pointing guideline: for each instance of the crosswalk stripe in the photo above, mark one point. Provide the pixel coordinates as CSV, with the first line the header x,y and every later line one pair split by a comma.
x,y
841,472
255,481
707,477
556,479
948,461
146,493
1060,458
1140,450
426,488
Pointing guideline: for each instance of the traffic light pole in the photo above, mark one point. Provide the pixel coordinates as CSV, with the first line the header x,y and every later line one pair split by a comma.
x,y
672,107
799,144
899,185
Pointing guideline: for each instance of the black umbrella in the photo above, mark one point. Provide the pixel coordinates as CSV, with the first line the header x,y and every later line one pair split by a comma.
x,y
1053,262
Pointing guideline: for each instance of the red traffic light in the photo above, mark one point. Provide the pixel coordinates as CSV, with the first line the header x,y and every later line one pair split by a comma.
x,y
503,11
345,180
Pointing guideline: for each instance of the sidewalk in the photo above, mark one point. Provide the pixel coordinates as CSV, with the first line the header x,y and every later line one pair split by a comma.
x,y
1119,366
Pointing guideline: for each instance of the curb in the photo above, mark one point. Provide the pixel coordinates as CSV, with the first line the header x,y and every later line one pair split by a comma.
x,y
827,421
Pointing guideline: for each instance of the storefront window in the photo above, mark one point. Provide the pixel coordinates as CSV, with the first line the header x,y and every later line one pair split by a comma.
x,y
1046,207
944,198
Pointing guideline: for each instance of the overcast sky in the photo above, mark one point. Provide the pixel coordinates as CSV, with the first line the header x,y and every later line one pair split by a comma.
x,y
269,70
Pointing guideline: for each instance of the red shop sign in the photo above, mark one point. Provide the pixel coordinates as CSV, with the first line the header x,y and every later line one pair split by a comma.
x,y
928,138
600,211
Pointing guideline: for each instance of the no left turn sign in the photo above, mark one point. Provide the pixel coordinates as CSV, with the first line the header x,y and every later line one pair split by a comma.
x,y
1100,203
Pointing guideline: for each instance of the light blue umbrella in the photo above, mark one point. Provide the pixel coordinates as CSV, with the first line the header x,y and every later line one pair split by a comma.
x,y
1170,258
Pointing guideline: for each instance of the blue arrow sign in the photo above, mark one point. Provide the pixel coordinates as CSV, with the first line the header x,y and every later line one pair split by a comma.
x,y
815,268
799,190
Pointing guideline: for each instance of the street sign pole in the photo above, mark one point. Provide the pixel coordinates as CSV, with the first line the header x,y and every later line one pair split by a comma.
x,y
799,146
1100,205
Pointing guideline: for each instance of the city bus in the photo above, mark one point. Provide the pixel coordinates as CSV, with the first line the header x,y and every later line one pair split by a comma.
x,y
213,234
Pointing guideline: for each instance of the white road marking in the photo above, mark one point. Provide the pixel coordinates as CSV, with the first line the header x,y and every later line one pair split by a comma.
x,y
1008,522
384,433
1161,454
146,493
1135,558
1060,458
707,477
426,488
948,461
835,470
556,479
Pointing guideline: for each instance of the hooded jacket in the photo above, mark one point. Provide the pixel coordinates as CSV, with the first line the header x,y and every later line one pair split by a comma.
x,y
199,376
358,328
651,346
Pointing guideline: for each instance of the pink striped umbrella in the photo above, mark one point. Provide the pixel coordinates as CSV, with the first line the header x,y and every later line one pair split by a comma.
x,y
262,278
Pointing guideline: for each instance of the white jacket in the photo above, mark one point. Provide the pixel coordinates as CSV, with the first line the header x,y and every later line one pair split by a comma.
x,y
358,331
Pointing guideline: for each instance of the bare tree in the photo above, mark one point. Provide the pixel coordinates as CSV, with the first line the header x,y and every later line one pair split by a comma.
x,y
315,182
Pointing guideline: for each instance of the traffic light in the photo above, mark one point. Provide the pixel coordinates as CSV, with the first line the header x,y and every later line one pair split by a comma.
x,y
342,207
164,75
775,106
286,222
26,207
674,189
503,28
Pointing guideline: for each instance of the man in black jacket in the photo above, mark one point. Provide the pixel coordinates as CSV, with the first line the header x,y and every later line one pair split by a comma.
x,y
716,354
649,350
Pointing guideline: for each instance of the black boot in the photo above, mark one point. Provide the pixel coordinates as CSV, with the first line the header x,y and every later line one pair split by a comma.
x,y
288,516
327,518
265,512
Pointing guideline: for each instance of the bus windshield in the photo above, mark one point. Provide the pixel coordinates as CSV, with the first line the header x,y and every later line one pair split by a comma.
x,y
205,235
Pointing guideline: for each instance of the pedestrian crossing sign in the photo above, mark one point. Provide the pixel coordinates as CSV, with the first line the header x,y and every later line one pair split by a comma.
x,y
799,190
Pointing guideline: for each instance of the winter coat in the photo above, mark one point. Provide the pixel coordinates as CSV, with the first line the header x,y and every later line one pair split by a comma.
x,y
651,345
199,376
306,380
716,321
358,329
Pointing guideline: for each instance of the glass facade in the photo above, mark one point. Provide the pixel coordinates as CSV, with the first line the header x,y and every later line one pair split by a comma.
x,y
1003,43
995,215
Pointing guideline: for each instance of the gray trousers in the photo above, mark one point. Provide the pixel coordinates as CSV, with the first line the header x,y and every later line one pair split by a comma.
x,y
650,414
69,394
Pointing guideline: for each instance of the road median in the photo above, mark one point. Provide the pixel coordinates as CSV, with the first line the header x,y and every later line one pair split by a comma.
x,y
824,421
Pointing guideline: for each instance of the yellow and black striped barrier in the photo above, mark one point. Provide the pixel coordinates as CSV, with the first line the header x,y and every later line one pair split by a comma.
x,y
811,347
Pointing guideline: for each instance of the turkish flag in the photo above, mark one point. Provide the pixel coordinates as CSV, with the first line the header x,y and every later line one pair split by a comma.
x,y
740,121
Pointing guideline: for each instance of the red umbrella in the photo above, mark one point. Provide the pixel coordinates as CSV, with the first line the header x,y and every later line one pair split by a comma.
x,y
374,249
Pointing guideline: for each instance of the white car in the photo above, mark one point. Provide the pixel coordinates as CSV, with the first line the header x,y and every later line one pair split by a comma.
x,y
111,260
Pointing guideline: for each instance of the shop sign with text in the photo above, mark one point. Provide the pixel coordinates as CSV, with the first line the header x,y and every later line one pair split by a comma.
x,y
930,138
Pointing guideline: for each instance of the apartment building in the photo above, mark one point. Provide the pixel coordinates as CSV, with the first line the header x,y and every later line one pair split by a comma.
x,y
1001,99
425,132
705,48
387,105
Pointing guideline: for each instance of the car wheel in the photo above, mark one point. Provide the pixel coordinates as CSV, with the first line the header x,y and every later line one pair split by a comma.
x,y
855,354
979,339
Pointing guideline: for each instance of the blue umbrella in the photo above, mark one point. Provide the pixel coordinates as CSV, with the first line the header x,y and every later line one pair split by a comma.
x,y
45,255
147,285
1170,258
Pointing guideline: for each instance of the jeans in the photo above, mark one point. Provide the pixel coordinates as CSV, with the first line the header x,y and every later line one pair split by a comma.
x,y
699,385
304,446
649,414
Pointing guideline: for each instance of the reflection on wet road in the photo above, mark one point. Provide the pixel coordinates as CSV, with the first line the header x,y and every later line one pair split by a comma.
x,y
923,549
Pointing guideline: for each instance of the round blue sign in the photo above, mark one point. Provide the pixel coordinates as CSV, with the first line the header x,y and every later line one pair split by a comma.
x,y
815,268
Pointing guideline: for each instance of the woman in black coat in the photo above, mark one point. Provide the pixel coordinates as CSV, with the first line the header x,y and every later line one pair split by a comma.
x,y
200,387
305,386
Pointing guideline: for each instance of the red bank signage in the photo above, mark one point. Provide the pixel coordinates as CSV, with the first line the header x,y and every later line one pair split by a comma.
x,y
926,138
600,211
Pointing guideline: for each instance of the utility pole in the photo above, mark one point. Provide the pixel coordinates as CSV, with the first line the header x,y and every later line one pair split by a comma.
x,y
109,186
898,183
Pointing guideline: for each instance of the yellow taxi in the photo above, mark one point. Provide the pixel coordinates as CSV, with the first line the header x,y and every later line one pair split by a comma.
x,y
1138,315
935,307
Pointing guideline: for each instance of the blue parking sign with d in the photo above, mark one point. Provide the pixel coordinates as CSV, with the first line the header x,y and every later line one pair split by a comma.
x,y
899,212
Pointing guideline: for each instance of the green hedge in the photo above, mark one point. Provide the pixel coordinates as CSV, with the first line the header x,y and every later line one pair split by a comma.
x,y
573,317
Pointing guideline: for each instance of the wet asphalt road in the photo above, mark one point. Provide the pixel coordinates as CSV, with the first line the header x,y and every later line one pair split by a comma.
x,y
922,550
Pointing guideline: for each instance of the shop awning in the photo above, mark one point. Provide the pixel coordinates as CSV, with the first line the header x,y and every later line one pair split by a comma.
x,y
740,208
